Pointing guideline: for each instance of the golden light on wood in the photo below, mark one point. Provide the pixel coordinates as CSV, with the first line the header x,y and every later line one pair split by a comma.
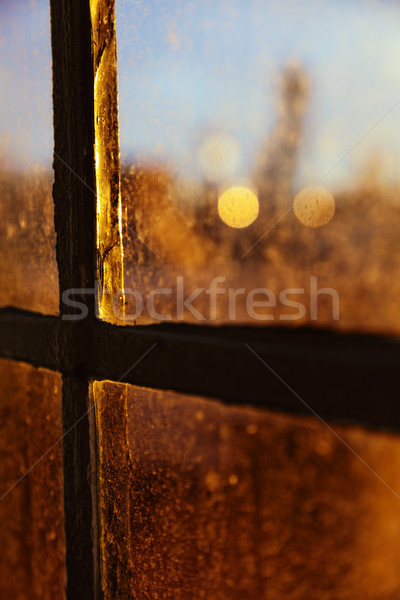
x,y
314,206
238,207
109,204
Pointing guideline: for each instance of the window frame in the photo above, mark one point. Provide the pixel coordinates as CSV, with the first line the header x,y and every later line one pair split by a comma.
x,y
323,371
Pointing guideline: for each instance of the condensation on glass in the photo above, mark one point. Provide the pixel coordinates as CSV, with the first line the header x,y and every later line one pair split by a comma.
x,y
260,144
28,269
202,500
31,506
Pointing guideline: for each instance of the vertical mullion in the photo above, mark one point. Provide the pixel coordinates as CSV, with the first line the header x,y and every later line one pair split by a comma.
x,y
75,222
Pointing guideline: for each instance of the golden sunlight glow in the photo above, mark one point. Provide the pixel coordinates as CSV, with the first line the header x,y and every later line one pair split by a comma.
x,y
109,207
314,206
238,206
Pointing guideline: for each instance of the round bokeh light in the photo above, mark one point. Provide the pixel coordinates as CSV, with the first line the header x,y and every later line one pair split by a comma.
x,y
238,206
314,206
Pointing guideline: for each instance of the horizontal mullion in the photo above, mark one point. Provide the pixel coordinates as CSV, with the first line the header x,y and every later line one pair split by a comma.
x,y
30,337
339,376
342,377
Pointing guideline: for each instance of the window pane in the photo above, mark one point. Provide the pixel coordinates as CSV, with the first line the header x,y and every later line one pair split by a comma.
x,y
28,270
259,145
31,511
201,500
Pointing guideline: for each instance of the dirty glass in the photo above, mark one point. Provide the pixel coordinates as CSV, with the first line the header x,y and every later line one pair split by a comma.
x,y
202,500
28,270
260,143
31,489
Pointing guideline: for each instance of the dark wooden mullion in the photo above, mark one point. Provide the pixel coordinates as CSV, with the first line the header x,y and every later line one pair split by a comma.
x,y
31,338
340,377
353,377
75,212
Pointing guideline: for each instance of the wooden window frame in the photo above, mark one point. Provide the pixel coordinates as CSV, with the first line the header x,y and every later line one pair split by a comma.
x,y
338,376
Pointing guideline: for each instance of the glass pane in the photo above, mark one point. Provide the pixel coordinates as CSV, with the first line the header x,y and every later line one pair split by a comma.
x,y
31,506
28,270
201,500
259,145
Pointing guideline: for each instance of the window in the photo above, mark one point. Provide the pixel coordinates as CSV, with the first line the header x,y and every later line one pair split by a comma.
x,y
198,461
27,231
31,507
241,128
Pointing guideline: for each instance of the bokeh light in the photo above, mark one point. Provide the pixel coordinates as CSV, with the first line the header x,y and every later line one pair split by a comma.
x,y
238,206
314,206
218,157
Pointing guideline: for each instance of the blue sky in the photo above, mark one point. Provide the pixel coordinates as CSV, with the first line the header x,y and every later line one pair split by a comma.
x,y
25,83
187,67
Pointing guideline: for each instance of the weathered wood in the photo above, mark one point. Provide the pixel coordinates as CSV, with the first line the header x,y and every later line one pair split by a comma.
x,y
75,222
341,377
30,338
